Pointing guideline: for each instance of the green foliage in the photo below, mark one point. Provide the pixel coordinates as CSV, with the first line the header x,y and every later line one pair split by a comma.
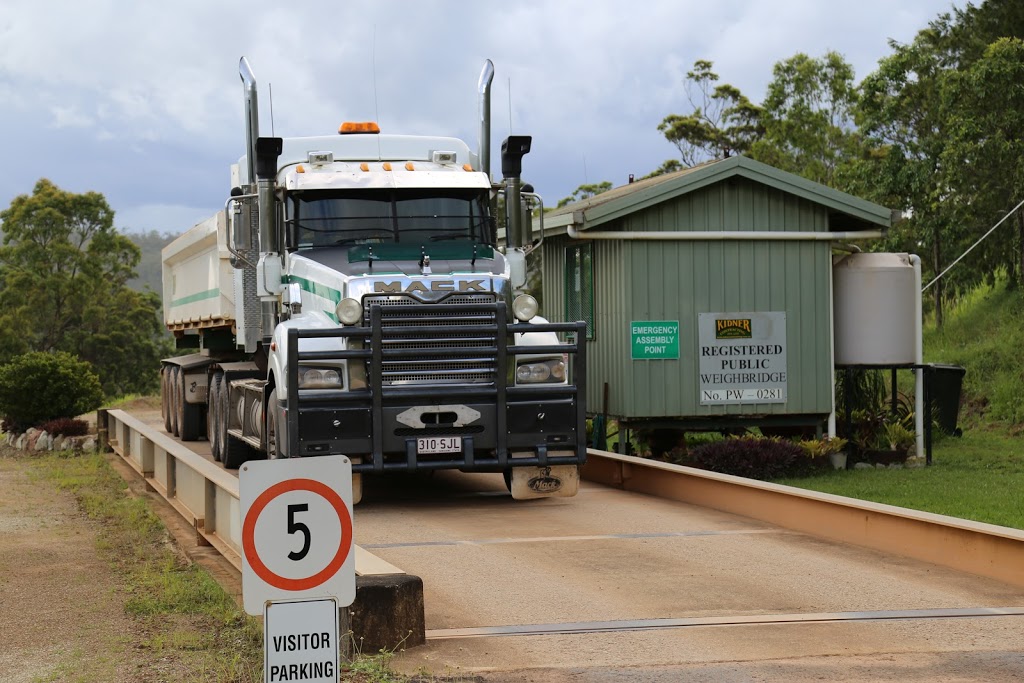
x,y
751,457
984,333
668,166
808,118
585,192
39,386
979,477
723,121
819,449
64,271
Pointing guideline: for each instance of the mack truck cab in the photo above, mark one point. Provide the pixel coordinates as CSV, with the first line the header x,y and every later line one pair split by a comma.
x,y
373,313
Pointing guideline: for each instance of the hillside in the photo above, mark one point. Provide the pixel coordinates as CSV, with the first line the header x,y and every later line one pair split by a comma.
x,y
150,243
984,333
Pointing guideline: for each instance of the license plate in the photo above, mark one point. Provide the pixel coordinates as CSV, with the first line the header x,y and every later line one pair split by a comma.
x,y
427,445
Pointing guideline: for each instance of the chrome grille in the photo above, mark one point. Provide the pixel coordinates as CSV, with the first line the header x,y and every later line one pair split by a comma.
x,y
429,368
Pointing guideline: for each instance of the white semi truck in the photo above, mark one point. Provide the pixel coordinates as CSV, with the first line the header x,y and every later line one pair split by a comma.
x,y
351,298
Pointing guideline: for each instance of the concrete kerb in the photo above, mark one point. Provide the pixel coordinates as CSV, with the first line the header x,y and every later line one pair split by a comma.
x,y
974,547
388,612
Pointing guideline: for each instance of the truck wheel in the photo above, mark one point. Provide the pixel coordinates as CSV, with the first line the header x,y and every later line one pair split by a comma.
x,y
174,393
190,415
211,416
236,453
165,397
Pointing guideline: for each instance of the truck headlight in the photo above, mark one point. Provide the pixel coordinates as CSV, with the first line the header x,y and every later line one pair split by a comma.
x,y
349,311
319,378
525,307
539,372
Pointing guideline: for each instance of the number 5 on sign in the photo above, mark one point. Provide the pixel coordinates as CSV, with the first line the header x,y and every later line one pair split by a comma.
x,y
296,530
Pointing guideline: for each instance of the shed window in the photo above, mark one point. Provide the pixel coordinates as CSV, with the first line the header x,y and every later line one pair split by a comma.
x,y
579,285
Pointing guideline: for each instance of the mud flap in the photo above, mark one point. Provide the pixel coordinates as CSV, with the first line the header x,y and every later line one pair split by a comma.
x,y
556,481
357,483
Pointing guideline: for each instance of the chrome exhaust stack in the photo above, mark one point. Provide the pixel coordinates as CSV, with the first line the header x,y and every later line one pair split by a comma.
x,y
252,114
484,88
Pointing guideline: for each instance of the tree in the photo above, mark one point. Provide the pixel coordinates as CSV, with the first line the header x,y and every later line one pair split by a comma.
x,y
667,166
807,117
585,192
984,159
723,121
900,111
64,271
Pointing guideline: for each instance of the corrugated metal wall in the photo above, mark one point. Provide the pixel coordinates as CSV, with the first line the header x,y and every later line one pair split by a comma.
x,y
676,280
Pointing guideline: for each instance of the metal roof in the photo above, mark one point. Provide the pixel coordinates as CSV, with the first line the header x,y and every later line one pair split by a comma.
x,y
848,212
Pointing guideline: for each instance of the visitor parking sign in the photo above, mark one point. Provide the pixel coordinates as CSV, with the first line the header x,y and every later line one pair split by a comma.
x,y
655,339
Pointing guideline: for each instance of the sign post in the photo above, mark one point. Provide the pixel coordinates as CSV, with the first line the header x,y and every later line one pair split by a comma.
x,y
298,560
296,530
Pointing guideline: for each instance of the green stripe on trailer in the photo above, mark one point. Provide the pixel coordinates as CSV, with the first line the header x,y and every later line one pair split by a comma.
x,y
192,298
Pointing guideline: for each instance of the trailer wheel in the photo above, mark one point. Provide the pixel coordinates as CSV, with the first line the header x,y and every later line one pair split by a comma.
x,y
165,398
174,393
212,423
190,415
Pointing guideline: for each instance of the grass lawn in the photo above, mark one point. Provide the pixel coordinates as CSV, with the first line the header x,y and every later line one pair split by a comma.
x,y
979,476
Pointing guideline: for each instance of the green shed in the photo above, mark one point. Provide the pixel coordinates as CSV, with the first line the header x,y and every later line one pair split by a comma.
x,y
707,294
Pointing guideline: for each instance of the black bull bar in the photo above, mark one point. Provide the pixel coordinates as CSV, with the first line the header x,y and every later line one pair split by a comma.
x,y
377,397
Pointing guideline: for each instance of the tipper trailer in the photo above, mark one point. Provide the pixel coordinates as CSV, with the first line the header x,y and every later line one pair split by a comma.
x,y
351,299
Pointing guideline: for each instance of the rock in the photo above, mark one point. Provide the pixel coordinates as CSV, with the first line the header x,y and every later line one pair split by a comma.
x,y
879,466
58,443
896,466
21,442
89,444
863,466
42,442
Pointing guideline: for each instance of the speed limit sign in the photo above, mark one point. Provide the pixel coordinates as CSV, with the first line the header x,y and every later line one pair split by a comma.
x,y
296,530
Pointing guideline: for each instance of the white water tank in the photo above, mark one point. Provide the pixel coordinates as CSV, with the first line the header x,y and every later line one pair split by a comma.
x,y
874,308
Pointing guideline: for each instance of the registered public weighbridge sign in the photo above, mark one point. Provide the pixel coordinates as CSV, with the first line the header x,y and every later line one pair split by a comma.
x,y
742,358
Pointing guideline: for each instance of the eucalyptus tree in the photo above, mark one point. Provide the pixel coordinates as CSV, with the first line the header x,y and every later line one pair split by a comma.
x,y
64,270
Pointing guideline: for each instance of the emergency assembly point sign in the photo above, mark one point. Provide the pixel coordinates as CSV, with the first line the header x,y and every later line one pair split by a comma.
x,y
654,339
296,530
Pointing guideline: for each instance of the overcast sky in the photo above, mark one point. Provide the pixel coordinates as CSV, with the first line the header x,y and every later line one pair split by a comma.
x,y
142,102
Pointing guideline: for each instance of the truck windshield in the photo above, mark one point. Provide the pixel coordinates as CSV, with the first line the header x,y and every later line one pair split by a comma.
x,y
342,217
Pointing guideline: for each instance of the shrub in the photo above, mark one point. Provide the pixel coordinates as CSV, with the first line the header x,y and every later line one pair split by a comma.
x,y
39,386
751,457
65,426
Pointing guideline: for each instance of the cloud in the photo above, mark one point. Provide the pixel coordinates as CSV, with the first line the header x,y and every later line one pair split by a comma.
x,y
142,101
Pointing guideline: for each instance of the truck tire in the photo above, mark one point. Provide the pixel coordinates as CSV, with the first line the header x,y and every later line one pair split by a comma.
x,y
236,453
273,445
190,415
174,393
211,415
165,397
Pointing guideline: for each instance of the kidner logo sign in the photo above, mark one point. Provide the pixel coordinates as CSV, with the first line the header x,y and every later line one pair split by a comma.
x,y
732,329
742,358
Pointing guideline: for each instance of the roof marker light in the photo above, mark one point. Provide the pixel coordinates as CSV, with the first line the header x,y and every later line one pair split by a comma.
x,y
352,127
364,167
300,169
387,166
467,167
409,166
